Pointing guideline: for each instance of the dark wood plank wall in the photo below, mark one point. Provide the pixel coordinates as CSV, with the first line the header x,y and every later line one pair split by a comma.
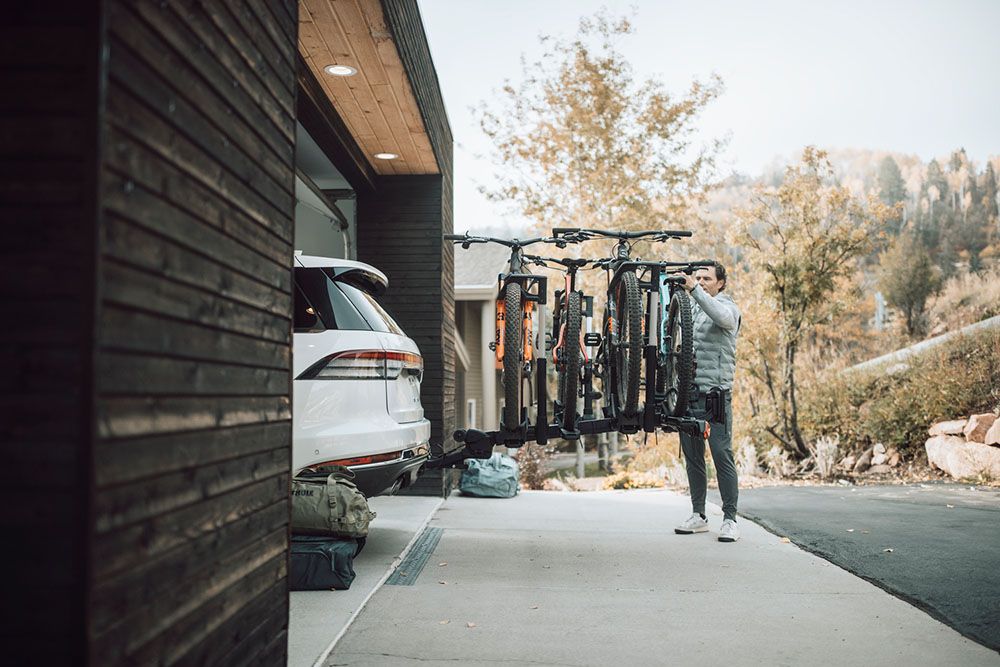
x,y
49,75
193,447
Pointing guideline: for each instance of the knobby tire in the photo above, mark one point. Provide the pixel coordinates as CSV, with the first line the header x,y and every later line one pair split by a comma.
x,y
513,356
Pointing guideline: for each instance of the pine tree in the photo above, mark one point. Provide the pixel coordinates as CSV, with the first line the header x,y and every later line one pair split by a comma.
x,y
891,187
989,193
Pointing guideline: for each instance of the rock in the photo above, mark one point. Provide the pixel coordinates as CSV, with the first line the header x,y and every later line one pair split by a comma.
x,y
879,448
847,463
961,459
953,427
864,461
993,435
879,470
894,457
879,459
979,426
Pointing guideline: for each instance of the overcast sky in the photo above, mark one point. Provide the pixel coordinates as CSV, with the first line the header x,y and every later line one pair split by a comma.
x,y
913,76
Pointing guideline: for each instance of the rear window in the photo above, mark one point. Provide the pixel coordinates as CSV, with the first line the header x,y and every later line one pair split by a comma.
x,y
320,305
372,311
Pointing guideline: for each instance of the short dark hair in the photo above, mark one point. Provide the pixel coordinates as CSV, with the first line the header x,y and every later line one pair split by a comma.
x,y
720,273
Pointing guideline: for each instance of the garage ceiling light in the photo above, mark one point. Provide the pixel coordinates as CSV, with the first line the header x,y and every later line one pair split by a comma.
x,y
340,70
386,156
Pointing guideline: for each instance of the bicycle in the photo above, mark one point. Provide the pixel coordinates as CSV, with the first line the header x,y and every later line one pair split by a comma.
x,y
569,352
627,320
518,292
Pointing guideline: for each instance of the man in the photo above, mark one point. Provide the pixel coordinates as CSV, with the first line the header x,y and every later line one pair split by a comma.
x,y
716,323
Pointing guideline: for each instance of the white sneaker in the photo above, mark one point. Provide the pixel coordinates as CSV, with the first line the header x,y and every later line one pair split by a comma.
x,y
729,532
693,524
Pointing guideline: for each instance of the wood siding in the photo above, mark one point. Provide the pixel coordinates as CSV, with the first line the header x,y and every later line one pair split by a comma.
x,y
193,443
49,64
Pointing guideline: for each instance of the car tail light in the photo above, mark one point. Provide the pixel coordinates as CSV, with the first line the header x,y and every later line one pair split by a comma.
x,y
364,365
358,460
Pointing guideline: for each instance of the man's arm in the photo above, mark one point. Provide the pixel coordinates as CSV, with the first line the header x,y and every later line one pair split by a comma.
x,y
723,314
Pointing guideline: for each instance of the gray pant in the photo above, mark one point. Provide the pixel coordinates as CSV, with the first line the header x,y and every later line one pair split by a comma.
x,y
720,441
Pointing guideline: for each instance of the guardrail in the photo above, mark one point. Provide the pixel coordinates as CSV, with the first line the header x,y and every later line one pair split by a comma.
x,y
900,356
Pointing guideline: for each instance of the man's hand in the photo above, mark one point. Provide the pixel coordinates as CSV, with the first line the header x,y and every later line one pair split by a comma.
x,y
689,282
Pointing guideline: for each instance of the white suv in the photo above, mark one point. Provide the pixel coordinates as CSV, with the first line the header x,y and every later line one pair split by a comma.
x,y
357,378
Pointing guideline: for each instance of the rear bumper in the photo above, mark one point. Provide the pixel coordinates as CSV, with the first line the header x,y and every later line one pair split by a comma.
x,y
378,478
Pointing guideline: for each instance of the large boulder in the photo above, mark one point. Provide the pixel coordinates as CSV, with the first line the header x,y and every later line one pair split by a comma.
x,y
978,427
953,427
961,459
864,461
993,435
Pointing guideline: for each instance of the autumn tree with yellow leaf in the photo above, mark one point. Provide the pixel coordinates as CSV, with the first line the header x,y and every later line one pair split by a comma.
x,y
581,143
802,240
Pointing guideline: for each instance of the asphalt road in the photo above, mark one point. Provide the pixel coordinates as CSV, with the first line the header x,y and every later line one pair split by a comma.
x,y
945,542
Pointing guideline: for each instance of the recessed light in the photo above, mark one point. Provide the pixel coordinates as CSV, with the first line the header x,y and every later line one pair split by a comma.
x,y
386,156
340,70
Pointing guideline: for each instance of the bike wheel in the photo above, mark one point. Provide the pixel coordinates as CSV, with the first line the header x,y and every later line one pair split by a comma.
x,y
569,362
628,353
679,364
513,361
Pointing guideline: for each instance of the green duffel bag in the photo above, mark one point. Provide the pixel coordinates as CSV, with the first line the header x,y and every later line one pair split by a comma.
x,y
329,505
495,477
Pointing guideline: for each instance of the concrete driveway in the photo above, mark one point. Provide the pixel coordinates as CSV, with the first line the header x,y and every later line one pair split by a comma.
x,y
945,541
600,578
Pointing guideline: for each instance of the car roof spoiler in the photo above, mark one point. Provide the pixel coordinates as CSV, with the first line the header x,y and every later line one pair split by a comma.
x,y
375,283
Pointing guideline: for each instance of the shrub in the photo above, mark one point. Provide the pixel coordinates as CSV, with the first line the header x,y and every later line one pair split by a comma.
x,y
531,460
634,480
959,378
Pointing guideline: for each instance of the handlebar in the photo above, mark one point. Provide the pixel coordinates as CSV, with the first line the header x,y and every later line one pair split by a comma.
x,y
466,240
578,234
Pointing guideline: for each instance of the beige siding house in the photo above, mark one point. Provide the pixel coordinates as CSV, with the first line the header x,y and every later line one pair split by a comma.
x,y
477,380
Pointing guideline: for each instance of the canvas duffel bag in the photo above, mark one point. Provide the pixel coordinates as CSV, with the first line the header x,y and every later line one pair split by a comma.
x,y
322,563
495,477
329,505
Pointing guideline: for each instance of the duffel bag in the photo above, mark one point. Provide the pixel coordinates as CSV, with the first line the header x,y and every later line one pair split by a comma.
x,y
495,477
330,505
322,563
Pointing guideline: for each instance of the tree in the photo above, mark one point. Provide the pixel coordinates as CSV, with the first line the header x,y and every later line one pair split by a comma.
x,y
803,238
582,143
989,193
908,279
891,186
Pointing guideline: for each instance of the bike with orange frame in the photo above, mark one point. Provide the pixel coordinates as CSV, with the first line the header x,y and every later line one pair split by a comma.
x,y
519,294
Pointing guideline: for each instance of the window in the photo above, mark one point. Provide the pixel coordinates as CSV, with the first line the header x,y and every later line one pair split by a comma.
x,y
370,309
318,297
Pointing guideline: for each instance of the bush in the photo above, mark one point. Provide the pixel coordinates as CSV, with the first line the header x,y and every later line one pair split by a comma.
x,y
959,378
634,480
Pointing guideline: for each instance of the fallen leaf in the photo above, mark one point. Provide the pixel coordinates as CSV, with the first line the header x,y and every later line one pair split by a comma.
x,y
950,506
850,530
785,540
470,625
444,622
442,564
887,551
866,531
534,606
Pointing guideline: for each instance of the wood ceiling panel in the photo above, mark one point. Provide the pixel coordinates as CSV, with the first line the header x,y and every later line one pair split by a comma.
x,y
377,103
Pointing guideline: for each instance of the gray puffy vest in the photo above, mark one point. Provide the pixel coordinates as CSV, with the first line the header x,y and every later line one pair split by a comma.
x,y
714,347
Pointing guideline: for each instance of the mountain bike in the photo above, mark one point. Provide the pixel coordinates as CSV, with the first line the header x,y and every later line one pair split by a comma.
x,y
518,293
675,359
628,322
569,352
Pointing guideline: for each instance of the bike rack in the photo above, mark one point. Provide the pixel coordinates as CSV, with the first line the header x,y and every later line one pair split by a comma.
x,y
479,444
